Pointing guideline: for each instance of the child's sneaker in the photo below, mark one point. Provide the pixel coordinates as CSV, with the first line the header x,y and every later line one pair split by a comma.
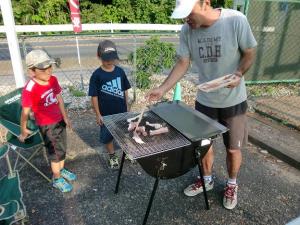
x,y
68,174
130,159
62,185
197,187
114,162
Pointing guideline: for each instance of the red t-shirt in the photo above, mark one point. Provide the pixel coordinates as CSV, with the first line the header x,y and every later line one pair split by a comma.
x,y
42,101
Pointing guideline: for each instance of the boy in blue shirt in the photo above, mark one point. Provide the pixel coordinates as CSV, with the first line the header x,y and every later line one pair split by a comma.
x,y
108,89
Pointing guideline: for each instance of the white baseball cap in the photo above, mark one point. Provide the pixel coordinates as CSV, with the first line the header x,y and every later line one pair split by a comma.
x,y
183,8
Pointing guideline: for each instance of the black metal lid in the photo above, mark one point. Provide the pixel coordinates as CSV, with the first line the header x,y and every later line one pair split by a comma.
x,y
192,124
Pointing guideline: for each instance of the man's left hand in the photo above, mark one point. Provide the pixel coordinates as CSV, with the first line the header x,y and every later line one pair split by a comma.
x,y
236,80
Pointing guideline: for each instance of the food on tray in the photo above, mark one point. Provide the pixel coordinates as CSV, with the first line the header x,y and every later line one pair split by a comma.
x,y
137,138
138,131
133,118
141,130
155,125
159,131
217,83
132,126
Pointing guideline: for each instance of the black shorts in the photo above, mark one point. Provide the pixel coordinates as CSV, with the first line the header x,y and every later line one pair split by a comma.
x,y
105,135
55,140
234,118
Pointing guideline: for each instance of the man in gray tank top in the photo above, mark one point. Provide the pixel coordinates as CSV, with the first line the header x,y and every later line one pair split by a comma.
x,y
218,42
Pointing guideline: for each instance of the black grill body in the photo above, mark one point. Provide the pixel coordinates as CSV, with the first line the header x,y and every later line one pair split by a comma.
x,y
167,155
177,162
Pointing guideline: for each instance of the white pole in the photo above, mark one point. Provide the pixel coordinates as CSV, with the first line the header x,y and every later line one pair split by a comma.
x,y
12,40
78,51
79,61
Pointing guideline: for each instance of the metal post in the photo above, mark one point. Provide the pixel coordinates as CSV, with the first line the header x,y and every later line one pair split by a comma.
x,y
79,62
11,173
199,157
246,7
12,40
120,172
134,69
151,200
159,172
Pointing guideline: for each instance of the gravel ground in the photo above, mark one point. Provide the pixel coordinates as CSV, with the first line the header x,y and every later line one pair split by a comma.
x,y
268,189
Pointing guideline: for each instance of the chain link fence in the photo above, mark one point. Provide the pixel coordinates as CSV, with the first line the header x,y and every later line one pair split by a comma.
x,y
76,62
275,25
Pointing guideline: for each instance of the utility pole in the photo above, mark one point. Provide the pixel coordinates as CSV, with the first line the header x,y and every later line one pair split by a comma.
x,y
13,43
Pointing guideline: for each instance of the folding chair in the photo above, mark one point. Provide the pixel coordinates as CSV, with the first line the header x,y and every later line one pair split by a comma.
x,y
10,114
12,208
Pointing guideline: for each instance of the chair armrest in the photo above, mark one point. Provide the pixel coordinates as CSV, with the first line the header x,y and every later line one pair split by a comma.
x,y
15,129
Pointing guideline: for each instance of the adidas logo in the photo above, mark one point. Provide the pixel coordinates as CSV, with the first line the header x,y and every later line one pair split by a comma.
x,y
113,87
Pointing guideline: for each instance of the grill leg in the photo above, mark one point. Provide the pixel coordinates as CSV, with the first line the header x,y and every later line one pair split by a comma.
x,y
151,200
120,172
202,180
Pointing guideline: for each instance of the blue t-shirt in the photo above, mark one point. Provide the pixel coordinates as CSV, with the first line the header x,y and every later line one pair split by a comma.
x,y
110,88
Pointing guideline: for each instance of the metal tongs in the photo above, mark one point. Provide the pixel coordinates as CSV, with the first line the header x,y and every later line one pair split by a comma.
x,y
136,137
140,118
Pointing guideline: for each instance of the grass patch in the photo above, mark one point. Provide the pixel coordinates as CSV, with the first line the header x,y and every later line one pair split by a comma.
x,y
75,92
272,90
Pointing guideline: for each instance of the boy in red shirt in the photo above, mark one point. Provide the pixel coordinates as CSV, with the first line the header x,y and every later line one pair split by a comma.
x,y
42,96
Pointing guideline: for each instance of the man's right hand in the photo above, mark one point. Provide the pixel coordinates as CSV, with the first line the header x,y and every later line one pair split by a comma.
x,y
155,94
24,134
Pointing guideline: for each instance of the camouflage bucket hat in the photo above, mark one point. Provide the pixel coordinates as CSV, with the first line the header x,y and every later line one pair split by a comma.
x,y
38,59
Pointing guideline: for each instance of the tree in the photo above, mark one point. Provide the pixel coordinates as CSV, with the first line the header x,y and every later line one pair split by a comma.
x,y
29,12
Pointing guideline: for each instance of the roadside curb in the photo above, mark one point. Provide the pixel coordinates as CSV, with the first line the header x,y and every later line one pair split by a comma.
x,y
272,150
258,136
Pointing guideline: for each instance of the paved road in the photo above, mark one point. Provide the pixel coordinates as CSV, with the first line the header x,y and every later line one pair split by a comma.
x,y
65,47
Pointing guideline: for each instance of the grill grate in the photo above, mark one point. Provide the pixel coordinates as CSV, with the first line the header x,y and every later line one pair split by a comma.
x,y
117,125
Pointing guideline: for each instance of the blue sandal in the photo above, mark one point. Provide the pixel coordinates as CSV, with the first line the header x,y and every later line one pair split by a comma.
x,y
68,174
62,185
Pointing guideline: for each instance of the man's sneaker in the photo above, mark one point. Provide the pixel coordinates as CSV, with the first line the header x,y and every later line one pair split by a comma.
x,y
197,187
62,185
68,175
230,196
114,162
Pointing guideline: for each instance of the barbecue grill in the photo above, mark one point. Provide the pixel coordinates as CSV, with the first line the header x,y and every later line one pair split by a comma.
x,y
171,154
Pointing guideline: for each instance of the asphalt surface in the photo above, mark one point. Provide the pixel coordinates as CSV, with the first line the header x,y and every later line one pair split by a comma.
x,y
279,140
268,189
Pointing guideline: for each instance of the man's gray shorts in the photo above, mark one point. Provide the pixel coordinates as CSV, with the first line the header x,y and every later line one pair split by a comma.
x,y
234,118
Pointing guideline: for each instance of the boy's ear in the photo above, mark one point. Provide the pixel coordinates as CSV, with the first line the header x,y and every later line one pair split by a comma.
x,y
31,73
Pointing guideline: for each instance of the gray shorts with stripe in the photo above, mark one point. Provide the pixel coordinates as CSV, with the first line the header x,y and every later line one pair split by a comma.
x,y
234,118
